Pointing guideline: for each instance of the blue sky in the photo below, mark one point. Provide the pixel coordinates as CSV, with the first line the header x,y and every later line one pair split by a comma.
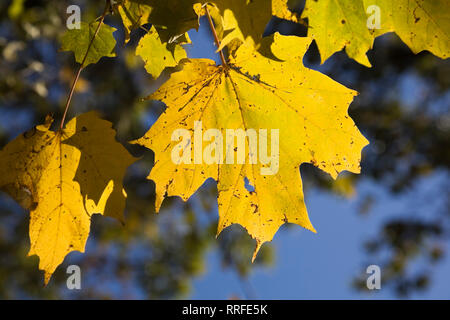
x,y
322,265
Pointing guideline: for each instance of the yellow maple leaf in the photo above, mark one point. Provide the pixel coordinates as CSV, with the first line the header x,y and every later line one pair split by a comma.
x,y
350,24
158,55
338,24
421,24
63,178
296,110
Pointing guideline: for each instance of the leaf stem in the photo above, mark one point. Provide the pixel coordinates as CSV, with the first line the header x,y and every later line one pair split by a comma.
x,y
216,38
81,67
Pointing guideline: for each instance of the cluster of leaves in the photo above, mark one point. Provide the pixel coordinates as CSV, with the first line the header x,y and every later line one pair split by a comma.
x,y
65,176
153,256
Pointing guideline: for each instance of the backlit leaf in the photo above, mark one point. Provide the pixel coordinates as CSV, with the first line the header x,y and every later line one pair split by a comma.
x,y
77,41
308,109
338,24
158,55
63,178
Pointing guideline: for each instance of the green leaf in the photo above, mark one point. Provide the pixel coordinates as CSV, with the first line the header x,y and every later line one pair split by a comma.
x,y
77,41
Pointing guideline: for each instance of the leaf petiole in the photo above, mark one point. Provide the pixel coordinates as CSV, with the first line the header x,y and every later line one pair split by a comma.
x,y
216,38
81,67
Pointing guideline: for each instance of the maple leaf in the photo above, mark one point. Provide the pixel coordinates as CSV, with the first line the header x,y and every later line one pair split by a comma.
x,y
63,178
308,109
77,41
421,24
158,55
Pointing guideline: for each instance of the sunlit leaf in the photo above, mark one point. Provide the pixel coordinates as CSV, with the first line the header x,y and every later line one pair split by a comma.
x,y
351,24
63,178
308,109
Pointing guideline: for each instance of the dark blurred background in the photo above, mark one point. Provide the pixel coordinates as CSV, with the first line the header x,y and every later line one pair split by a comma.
x,y
395,214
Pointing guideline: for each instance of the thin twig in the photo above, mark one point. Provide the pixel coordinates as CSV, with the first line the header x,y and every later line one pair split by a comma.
x,y
216,38
81,67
